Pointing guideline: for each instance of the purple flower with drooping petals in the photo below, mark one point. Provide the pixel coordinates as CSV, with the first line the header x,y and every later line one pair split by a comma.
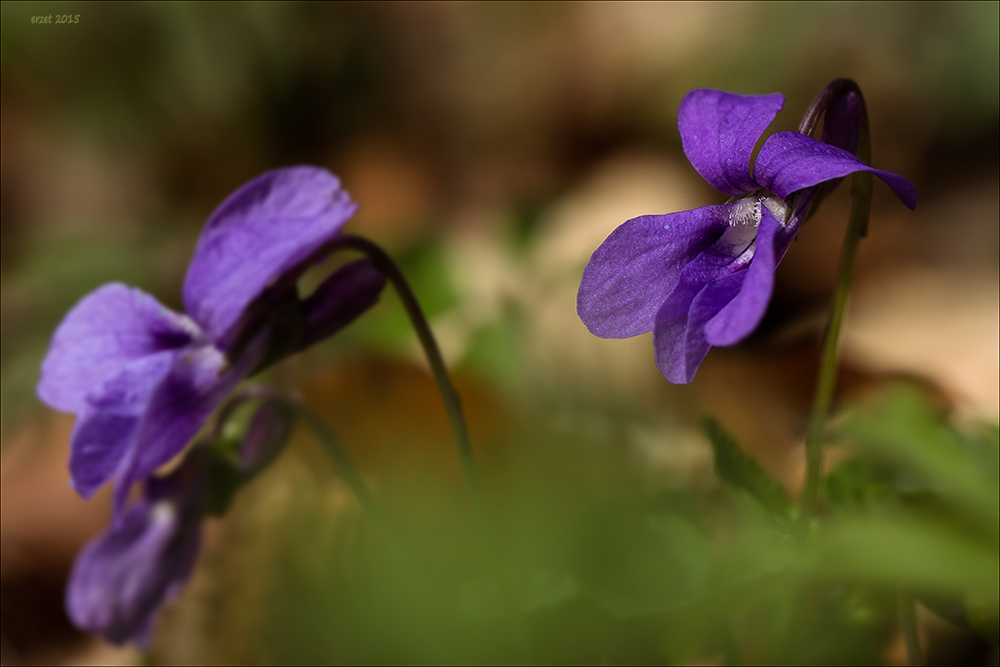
x,y
704,278
122,578
143,380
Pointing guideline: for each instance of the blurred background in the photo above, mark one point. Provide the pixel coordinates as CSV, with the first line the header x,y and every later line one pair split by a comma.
x,y
491,147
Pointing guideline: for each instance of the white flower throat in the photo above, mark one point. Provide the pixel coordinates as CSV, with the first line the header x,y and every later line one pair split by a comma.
x,y
747,211
744,219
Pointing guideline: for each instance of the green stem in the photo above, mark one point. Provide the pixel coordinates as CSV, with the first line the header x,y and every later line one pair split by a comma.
x,y
906,610
452,404
861,196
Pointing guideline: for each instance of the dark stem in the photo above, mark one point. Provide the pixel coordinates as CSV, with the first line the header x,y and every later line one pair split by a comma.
x,y
452,403
831,92
906,610
861,195
256,320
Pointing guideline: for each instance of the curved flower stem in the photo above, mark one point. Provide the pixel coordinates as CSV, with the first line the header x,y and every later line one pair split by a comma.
x,y
861,196
258,313
453,406
823,99
450,397
906,610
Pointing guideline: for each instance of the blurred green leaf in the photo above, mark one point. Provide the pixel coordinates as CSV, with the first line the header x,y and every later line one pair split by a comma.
x,y
904,430
636,558
742,471
918,554
855,485
494,351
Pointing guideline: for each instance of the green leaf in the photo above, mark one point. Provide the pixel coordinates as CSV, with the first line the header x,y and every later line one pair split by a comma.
x,y
742,471
637,558
904,430
921,555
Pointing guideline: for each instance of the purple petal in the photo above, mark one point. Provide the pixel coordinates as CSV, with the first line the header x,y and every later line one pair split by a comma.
x,y
122,578
144,415
108,329
347,293
262,230
743,313
679,338
183,401
109,420
719,131
265,437
637,267
789,162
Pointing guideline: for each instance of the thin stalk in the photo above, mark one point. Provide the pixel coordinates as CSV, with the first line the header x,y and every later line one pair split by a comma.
x,y
258,314
384,263
906,610
831,92
857,225
449,396
452,403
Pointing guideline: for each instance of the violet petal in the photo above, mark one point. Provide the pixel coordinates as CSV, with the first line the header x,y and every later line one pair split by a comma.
x,y
121,578
678,350
679,341
265,437
340,299
265,228
633,272
105,331
743,313
789,162
109,420
197,383
719,131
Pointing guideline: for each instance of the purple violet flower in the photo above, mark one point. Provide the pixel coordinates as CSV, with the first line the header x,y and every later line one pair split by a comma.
x,y
704,278
143,380
123,577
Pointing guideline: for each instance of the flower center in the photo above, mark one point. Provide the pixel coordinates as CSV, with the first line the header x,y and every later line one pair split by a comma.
x,y
162,512
744,219
747,211
777,207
